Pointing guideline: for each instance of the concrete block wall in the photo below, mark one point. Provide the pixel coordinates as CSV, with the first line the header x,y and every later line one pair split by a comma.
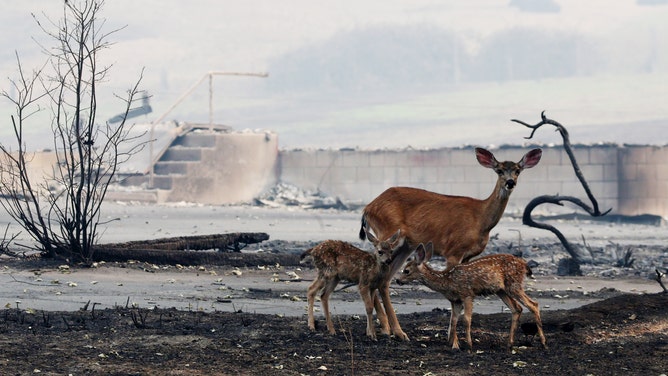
x,y
555,175
627,179
644,187
237,167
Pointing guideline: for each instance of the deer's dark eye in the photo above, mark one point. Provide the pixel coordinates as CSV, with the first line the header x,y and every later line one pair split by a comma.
x,y
406,271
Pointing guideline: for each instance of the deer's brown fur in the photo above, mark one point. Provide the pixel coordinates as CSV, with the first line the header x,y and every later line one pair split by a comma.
x,y
458,226
499,274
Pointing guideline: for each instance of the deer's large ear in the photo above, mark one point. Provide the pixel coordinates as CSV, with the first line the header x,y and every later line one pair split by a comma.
x,y
420,253
531,158
397,240
485,158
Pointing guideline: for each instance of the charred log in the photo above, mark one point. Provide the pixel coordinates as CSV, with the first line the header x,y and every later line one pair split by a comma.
x,y
215,249
187,258
234,242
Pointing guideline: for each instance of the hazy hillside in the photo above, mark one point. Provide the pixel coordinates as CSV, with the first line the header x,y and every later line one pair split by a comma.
x,y
379,74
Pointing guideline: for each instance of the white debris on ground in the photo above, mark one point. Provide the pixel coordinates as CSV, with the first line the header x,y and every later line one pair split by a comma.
x,y
283,194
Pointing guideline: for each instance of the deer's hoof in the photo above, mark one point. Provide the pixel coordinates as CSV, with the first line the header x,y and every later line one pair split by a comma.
x,y
402,336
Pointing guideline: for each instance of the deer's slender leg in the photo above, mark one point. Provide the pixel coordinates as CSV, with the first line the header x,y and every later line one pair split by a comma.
x,y
516,311
391,315
367,297
330,285
532,305
310,295
468,313
456,310
380,313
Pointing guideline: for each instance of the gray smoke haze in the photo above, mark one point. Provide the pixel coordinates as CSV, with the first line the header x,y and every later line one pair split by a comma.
x,y
377,74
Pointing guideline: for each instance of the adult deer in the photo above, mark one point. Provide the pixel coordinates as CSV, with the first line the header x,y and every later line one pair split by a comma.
x,y
458,226
372,271
500,274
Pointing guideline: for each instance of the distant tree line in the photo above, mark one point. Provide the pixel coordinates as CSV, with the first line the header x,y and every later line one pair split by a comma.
x,y
415,56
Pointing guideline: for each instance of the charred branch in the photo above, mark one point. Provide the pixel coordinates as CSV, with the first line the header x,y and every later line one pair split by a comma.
x,y
659,278
139,319
528,220
592,210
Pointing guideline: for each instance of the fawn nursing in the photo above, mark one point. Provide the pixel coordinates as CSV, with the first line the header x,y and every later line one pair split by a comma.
x,y
499,274
372,271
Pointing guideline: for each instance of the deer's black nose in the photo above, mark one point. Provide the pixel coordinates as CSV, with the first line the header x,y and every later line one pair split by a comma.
x,y
510,184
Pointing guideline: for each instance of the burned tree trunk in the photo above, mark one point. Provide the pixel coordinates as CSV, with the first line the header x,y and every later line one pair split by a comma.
x,y
573,265
216,249
187,258
234,242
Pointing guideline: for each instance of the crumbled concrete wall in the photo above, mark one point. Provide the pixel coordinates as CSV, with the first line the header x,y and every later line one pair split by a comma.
x,y
628,180
237,169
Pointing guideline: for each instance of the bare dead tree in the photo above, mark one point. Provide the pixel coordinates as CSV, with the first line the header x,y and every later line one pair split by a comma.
x,y
62,211
557,199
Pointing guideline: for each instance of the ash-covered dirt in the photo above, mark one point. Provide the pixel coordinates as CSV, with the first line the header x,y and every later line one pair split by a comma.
x,y
624,334
621,334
